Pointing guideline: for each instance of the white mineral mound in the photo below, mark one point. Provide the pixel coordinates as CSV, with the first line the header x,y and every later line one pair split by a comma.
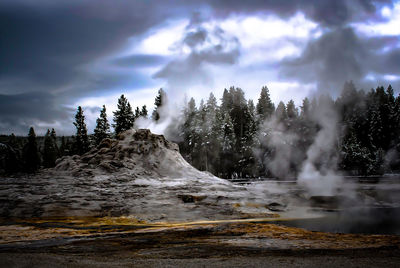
x,y
139,174
139,154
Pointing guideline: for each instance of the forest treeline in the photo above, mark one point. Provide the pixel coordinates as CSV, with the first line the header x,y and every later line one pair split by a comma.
x,y
236,137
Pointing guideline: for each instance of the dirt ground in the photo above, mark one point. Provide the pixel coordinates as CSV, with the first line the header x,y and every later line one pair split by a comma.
x,y
350,259
116,242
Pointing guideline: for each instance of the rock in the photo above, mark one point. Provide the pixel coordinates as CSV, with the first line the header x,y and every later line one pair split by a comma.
x,y
135,150
276,207
327,202
191,198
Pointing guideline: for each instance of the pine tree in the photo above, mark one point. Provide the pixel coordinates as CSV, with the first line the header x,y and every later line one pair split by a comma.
x,y
159,101
210,146
12,141
227,101
228,160
63,147
247,163
265,108
137,112
281,113
305,109
291,110
355,158
49,149
53,135
123,116
31,154
102,129
81,139
188,132
143,112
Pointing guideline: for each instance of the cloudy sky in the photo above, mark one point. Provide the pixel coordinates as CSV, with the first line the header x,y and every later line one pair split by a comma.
x,y
56,55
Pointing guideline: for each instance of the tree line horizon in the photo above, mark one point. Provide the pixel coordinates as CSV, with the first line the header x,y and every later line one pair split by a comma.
x,y
230,139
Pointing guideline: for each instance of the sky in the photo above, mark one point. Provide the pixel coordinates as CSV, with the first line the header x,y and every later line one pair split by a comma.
x,y
56,55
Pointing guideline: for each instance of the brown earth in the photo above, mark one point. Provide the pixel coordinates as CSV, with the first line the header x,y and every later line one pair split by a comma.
x,y
123,241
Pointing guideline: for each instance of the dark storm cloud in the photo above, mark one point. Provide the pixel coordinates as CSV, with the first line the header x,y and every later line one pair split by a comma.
x,y
20,111
49,47
387,63
46,46
140,60
326,12
330,60
338,56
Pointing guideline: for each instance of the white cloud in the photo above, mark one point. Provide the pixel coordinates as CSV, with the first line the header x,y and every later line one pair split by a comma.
x,y
257,30
390,77
389,27
160,40
270,38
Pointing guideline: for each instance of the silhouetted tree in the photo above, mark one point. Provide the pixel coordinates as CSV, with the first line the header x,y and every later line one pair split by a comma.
x,y
102,129
63,147
31,154
50,151
144,112
81,138
159,101
123,116
265,108
137,112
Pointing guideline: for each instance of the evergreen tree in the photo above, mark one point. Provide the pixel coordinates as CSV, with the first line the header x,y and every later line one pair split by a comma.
x,y
265,108
63,147
281,113
123,116
198,155
248,166
137,112
102,129
305,109
53,135
9,156
227,101
31,154
209,138
292,116
81,138
307,128
291,110
49,149
159,101
143,112
227,169
188,130
12,141
356,158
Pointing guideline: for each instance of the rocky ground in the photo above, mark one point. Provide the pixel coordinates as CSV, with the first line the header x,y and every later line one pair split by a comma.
x,y
140,174
123,242
134,201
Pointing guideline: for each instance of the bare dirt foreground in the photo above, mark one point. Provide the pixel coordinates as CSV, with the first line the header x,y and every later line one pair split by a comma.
x,y
126,242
